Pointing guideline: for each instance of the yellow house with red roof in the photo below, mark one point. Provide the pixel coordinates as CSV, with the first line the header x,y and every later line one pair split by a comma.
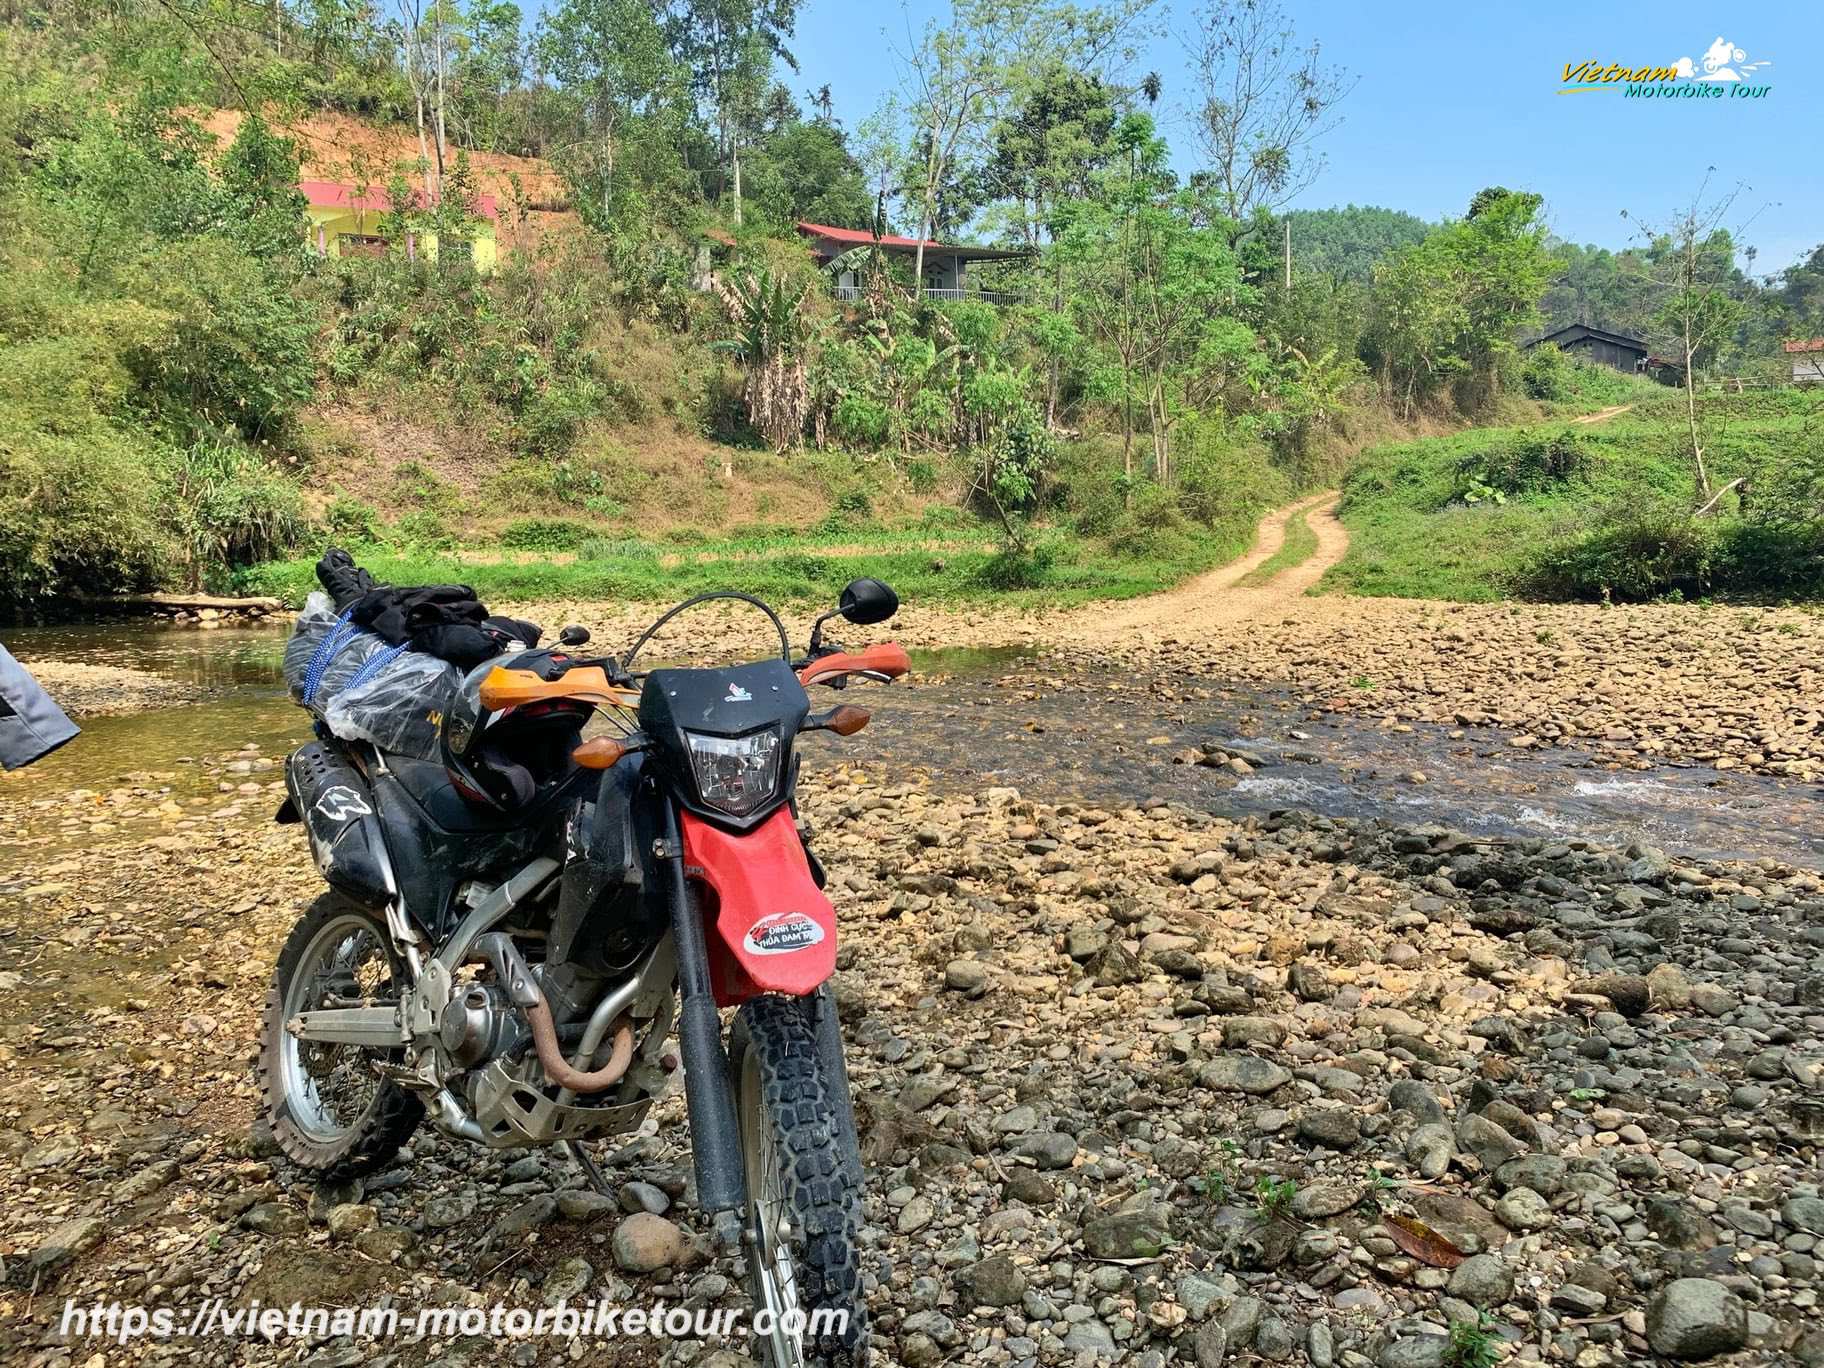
x,y
347,222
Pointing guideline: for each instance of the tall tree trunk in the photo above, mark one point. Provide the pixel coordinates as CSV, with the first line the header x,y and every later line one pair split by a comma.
x,y
1697,448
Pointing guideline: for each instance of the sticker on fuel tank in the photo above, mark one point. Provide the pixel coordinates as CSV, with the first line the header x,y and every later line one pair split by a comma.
x,y
339,803
781,934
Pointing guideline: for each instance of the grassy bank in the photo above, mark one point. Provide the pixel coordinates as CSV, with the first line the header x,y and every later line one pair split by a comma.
x,y
1061,567
1560,510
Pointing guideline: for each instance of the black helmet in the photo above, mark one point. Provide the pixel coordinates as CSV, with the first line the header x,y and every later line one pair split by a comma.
x,y
503,758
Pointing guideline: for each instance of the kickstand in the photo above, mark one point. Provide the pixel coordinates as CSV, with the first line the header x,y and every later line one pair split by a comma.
x,y
591,1170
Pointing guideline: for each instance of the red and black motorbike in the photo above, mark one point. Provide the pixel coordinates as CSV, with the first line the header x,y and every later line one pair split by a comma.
x,y
515,930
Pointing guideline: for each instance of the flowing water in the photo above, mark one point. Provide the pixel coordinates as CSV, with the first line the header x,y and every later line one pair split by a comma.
x,y
972,717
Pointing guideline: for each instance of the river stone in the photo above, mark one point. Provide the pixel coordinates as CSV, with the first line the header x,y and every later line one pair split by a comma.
x,y
1491,1145
1243,1031
350,1219
638,1196
66,1242
1241,1320
585,1204
1049,1149
1630,993
273,1218
1325,1199
1543,1173
1482,1280
1410,1095
1090,1337
1414,1351
1025,1185
1332,1127
1243,1073
1210,1346
529,1215
1139,1234
1696,1318
1677,1224
1523,1209
1804,1213
992,1282
440,1213
1465,1223
915,1215
1320,1345
569,1280
645,1242
1430,1148
966,976
385,1243
1574,1299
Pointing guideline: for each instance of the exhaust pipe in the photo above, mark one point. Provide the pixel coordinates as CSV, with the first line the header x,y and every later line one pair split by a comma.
x,y
515,976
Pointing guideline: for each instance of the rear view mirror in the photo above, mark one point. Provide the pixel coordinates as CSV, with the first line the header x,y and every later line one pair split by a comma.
x,y
867,601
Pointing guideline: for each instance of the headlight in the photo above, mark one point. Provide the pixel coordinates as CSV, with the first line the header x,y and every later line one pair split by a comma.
x,y
735,773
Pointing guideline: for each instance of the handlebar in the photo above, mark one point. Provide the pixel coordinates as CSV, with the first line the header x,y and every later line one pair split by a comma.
x,y
885,660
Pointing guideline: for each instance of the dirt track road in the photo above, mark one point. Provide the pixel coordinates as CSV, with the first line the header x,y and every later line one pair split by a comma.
x,y
1219,596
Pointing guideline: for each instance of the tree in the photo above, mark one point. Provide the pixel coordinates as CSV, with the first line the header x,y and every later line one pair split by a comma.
x,y
1452,304
1051,146
961,78
804,171
1155,290
1698,308
729,47
611,56
424,48
1265,101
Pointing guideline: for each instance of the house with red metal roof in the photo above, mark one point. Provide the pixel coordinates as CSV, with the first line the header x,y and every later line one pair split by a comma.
x,y
346,221
1807,355
945,265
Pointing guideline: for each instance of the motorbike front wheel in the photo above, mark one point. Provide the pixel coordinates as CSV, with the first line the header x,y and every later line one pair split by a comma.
x,y
804,1194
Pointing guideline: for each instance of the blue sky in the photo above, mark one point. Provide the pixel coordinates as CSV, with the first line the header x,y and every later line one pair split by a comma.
x,y
1456,96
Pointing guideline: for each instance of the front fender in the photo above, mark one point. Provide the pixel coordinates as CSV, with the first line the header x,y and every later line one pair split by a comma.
x,y
772,928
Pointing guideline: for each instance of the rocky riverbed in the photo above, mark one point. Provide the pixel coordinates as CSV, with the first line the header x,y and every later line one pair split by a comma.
x,y
1639,685
1137,1084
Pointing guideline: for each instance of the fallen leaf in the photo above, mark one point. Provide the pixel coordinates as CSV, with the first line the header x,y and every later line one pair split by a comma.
x,y
1422,1242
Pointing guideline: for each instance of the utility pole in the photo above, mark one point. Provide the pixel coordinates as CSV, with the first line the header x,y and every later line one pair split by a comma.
x,y
1288,227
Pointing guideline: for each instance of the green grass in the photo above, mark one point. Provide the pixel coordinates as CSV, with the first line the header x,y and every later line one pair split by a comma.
x,y
1298,547
785,567
1425,522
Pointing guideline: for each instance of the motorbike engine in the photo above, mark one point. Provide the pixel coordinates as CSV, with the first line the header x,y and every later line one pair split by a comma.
x,y
480,1023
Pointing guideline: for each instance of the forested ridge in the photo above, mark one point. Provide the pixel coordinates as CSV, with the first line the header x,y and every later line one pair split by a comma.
x,y
192,395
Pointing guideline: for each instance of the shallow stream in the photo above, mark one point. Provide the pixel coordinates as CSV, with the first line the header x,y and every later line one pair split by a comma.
x,y
973,718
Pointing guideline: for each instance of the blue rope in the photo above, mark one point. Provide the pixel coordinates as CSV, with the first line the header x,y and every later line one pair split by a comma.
x,y
337,637
372,666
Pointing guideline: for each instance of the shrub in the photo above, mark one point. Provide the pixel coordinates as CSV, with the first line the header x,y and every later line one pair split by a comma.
x,y
1636,554
860,421
1527,463
349,522
1547,373
545,534
850,511
424,530
230,508
1018,567
1153,529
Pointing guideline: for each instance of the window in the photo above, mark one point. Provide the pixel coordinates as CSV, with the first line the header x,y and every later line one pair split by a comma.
x,y
360,244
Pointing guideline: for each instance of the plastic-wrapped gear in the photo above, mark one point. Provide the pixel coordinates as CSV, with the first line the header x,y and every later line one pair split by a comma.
x,y
362,688
398,705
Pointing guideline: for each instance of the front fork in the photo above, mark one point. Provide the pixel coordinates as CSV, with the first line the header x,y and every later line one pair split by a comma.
x,y
709,1095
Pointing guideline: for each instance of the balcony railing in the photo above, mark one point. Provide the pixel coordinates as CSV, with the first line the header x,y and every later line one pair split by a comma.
x,y
854,292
